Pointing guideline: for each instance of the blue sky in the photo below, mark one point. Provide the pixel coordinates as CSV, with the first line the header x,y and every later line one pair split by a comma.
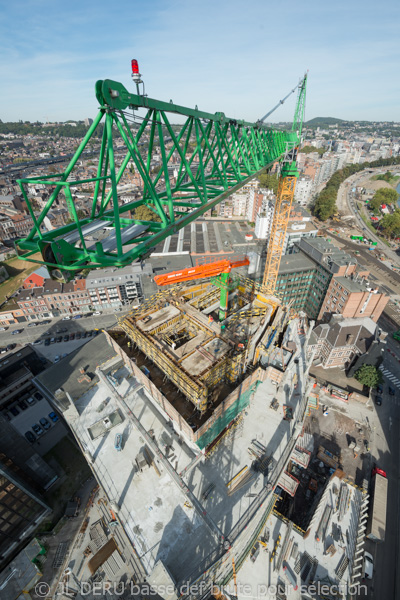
x,y
239,57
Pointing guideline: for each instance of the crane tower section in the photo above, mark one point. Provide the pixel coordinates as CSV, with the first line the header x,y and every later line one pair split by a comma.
x,y
284,199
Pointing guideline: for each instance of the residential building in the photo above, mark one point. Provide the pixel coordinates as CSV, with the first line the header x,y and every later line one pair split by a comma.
x,y
21,507
304,190
36,279
353,296
338,343
295,232
113,288
264,220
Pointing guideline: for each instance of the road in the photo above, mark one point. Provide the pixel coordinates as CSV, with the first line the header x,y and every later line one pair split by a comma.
x,y
385,450
30,334
347,206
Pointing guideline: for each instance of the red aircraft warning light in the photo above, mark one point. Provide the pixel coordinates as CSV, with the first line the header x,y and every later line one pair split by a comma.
x,y
135,70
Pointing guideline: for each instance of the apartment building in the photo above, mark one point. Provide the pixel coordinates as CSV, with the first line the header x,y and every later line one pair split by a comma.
x,y
304,190
305,275
353,297
341,341
113,288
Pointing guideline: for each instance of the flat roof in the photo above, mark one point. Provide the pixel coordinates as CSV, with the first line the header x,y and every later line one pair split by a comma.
x,y
153,508
295,262
307,553
65,374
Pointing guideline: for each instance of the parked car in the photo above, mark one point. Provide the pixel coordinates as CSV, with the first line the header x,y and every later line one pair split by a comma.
x,y
52,340
89,333
63,330
97,313
64,355
37,429
66,338
11,346
77,317
379,389
30,400
67,318
47,342
71,336
392,391
53,417
3,350
14,411
32,324
57,359
23,404
44,423
78,336
378,400
30,437
59,339
368,567
38,396
3,328
17,331
37,342
84,334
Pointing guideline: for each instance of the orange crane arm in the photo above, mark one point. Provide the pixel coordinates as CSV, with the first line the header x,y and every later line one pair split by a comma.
x,y
208,270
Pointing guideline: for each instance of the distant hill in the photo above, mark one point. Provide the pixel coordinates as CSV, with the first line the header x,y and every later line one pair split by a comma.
x,y
321,121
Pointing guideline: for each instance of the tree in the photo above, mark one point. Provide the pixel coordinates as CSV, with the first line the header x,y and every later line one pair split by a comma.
x,y
386,196
144,213
368,375
80,214
269,181
390,224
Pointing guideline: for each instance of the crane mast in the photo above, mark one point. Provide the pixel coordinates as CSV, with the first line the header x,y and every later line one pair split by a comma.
x,y
284,199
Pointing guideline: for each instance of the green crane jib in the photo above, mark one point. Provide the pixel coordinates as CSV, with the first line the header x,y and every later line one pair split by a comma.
x,y
203,161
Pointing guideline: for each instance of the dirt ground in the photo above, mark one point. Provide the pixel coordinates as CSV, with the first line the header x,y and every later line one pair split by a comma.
x,y
18,270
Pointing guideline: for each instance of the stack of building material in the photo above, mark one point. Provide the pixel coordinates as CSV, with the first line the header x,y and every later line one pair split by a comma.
x,y
328,458
301,457
339,393
288,483
240,480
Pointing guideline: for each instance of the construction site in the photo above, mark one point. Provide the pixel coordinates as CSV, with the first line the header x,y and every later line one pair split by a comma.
x,y
205,368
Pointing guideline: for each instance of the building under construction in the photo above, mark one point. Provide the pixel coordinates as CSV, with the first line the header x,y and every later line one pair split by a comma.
x,y
203,371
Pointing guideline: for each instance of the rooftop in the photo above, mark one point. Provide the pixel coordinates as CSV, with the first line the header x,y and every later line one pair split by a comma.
x,y
155,511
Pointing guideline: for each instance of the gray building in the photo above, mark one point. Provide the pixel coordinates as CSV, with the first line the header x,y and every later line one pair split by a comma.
x,y
113,287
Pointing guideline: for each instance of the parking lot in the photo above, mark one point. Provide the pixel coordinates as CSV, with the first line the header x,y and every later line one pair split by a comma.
x,y
28,417
54,350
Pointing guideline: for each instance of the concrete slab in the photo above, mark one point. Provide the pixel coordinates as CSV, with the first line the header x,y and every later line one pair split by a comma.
x,y
157,318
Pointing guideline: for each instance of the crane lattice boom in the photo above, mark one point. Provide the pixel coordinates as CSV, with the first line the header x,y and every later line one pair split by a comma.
x,y
184,170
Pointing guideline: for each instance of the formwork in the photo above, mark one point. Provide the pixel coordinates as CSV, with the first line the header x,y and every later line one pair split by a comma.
x,y
177,333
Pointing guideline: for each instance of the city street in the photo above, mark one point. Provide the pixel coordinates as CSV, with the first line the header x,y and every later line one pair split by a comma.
x,y
385,452
49,330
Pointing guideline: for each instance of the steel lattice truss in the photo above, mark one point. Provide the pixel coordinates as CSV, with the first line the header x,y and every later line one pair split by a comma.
x,y
212,156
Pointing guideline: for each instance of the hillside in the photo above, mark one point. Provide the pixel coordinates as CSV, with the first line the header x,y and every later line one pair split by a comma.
x,y
321,121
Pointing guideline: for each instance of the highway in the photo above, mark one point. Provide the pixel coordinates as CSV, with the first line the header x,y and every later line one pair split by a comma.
x,y
347,206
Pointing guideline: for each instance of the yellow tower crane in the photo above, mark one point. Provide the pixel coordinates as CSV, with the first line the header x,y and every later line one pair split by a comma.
x,y
284,199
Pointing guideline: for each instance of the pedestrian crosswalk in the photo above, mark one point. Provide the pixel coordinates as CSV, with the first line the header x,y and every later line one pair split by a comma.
x,y
395,381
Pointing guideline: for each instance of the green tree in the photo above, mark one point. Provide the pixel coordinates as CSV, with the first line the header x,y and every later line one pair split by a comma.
x,y
144,213
368,375
390,224
386,196
81,215
308,149
269,181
